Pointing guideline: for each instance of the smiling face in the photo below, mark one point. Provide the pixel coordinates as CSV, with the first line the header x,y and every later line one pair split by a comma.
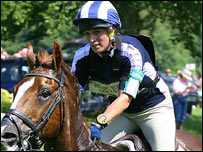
x,y
98,39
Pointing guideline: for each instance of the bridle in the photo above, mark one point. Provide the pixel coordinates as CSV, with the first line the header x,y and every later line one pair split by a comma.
x,y
32,140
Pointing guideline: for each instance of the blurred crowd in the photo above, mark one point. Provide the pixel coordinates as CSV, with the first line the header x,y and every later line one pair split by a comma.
x,y
196,81
19,54
181,85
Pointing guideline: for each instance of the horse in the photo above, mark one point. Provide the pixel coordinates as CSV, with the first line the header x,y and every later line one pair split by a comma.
x,y
46,111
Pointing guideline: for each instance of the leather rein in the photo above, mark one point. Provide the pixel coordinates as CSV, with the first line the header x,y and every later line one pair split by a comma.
x,y
26,142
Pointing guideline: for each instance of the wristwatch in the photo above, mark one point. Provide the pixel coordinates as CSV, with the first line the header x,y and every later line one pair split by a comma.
x,y
102,119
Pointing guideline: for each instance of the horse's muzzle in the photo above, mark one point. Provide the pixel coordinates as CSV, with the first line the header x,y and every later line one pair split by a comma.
x,y
9,133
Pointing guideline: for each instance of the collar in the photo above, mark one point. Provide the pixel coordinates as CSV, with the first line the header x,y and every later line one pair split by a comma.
x,y
109,53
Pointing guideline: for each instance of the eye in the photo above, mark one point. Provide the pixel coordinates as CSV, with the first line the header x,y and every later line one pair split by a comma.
x,y
44,94
97,32
86,34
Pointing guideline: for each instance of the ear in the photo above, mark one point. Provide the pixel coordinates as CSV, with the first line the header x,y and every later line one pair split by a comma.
x,y
57,56
30,56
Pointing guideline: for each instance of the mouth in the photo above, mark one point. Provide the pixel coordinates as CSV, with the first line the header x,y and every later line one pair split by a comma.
x,y
96,46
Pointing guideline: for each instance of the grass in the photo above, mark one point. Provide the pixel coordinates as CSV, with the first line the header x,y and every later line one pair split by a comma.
x,y
194,126
91,115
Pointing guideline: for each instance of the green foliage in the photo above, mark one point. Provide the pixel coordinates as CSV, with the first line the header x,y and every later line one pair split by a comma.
x,y
40,23
134,16
40,18
184,30
184,16
169,55
13,47
3,147
90,116
6,100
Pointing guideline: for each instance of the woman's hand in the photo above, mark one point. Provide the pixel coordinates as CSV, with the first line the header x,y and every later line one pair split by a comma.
x,y
95,130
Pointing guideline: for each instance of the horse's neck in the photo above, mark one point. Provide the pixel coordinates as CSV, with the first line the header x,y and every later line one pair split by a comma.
x,y
79,132
78,129
75,135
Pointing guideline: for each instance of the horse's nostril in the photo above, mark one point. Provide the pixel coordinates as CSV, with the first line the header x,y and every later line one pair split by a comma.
x,y
9,138
9,135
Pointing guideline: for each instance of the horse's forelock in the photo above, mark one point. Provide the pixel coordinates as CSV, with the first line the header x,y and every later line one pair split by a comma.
x,y
43,58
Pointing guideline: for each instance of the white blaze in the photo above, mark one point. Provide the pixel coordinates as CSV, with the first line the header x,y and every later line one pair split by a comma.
x,y
22,89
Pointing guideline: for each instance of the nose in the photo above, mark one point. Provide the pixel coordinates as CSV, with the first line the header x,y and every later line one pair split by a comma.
x,y
9,133
92,38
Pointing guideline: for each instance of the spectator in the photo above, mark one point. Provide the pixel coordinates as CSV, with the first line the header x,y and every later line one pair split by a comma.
x,y
14,73
178,73
198,83
168,78
4,54
168,72
181,87
21,53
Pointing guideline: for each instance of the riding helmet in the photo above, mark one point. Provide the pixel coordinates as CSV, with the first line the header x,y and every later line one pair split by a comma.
x,y
97,14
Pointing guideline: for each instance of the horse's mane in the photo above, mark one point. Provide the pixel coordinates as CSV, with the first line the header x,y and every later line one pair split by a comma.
x,y
73,81
45,60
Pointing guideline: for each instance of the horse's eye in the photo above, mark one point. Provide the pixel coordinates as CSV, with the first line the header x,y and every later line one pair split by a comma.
x,y
44,94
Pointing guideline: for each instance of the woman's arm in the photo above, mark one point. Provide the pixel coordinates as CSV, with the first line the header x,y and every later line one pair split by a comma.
x,y
117,106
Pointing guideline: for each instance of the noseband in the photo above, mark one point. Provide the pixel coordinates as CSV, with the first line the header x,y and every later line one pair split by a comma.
x,y
33,135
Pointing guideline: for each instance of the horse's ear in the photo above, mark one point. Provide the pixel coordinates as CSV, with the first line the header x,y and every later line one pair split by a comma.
x,y
57,56
30,56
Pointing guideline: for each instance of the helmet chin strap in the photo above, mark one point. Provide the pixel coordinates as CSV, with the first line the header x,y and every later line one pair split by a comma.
x,y
108,50
112,45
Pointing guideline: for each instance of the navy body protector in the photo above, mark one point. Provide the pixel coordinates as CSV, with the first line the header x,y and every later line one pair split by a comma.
x,y
148,94
145,41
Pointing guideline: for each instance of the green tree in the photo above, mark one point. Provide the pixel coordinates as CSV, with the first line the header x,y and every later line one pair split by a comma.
x,y
40,18
184,17
169,55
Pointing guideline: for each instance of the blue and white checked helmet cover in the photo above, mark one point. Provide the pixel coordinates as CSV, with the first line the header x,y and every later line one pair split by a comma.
x,y
103,10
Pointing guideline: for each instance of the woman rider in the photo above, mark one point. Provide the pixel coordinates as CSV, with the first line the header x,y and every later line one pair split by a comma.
x,y
119,66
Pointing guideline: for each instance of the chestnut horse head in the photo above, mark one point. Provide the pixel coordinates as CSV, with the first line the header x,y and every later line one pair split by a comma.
x,y
45,107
